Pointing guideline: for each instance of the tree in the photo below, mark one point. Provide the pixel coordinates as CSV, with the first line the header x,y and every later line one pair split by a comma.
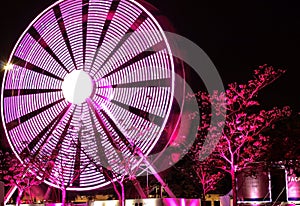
x,y
207,175
204,172
241,140
200,170
61,177
125,171
32,171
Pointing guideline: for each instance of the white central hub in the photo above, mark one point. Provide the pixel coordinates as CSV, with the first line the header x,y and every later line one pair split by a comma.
x,y
77,87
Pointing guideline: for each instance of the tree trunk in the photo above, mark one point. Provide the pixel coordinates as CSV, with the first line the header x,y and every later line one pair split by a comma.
x,y
116,190
204,198
63,196
30,195
19,197
122,201
234,191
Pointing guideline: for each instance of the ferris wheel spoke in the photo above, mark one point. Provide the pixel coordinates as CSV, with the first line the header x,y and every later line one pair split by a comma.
x,y
164,82
150,51
85,11
59,143
77,164
62,27
138,22
49,129
20,92
27,65
11,125
106,130
37,37
100,149
128,144
138,112
110,16
103,97
129,32
62,136
157,120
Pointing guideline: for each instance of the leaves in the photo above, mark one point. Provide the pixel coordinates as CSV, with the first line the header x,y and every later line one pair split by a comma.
x,y
241,140
24,174
252,103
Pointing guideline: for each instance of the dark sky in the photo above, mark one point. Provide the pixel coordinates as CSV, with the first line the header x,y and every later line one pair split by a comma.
x,y
240,35
237,35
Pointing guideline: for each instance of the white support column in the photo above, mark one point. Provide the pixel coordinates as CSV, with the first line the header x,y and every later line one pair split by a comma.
x,y
9,194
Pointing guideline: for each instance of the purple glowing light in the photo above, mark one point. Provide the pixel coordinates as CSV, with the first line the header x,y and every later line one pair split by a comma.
x,y
293,187
131,75
254,186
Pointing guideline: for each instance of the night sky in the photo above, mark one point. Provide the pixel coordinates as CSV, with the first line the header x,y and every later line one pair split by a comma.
x,y
238,36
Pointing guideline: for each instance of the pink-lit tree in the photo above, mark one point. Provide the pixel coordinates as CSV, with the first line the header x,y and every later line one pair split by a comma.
x,y
241,140
204,169
125,172
32,171
117,176
207,175
60,175
204,172
128,172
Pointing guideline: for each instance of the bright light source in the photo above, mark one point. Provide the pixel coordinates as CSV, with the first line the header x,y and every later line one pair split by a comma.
x,y
8,67
77,86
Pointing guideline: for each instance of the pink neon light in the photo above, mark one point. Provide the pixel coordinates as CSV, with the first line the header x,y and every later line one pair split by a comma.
x,y
181,202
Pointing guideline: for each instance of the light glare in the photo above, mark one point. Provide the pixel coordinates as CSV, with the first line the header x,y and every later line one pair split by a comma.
x,y
8,67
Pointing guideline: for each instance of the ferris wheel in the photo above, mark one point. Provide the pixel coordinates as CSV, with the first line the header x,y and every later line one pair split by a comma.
x,y
88,79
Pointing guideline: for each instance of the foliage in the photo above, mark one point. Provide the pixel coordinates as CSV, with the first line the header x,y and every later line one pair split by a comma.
x,y
32,171
3,169
203,172
240,137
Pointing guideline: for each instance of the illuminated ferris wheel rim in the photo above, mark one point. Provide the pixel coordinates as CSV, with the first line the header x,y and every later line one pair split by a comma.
x,y
60,1
26,31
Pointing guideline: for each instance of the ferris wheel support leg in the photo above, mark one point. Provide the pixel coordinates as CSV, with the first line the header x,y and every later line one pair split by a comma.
x,y
9,194
158,177
162,182
139,152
